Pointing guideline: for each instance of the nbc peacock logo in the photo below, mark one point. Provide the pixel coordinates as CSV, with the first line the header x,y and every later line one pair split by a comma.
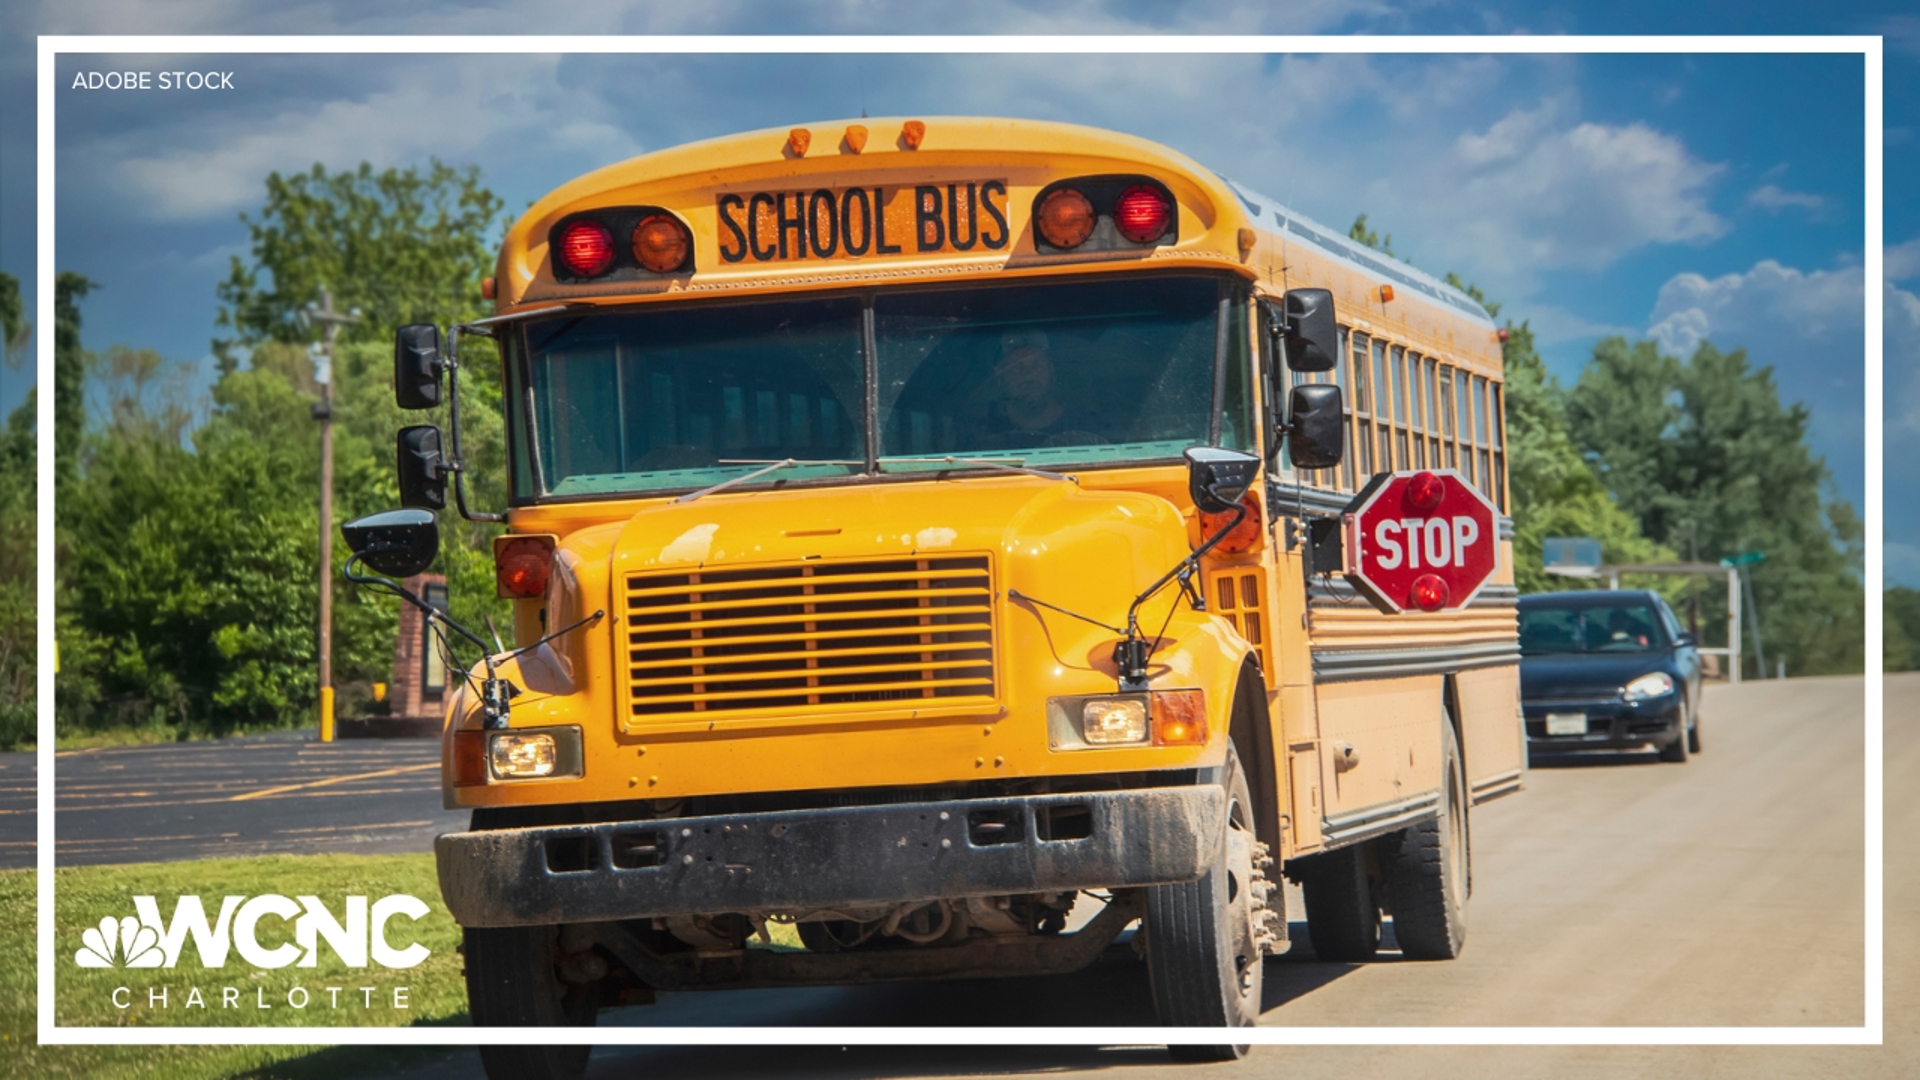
x,y
124,942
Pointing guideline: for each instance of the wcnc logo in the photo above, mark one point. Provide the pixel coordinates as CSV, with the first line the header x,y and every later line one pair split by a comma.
x,y
148,941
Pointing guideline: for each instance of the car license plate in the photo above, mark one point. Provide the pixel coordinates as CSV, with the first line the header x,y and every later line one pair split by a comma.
x,y
1566,723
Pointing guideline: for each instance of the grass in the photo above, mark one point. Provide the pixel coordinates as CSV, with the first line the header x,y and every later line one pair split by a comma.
x,y
83,895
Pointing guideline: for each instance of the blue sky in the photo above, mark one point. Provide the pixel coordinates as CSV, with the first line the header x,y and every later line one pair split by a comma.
x,y
1676,197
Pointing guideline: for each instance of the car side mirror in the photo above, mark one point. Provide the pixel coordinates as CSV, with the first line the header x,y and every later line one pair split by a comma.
x,y
417,366
1306,326
1217,478
397,543
1683,640
1316,426
422,468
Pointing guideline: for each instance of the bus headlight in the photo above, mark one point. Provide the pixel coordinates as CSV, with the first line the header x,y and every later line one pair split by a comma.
x,y
534,754
1107,721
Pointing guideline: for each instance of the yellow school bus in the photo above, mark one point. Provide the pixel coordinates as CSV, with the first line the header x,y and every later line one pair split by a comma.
x,y
923,539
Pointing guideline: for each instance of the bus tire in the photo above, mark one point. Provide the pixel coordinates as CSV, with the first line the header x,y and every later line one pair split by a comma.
x,y
1343,918
1427,874
512,982
1203,945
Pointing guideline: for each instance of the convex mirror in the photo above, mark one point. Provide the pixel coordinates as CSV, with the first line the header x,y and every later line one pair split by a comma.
x,y
397,543
1217,478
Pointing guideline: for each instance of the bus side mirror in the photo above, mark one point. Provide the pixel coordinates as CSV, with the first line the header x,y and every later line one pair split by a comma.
x,y
1217,478
397,543
417,366
422,468
1316,426
1306,325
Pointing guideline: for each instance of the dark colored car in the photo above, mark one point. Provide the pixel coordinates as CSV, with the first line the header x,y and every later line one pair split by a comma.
x,y
1608,670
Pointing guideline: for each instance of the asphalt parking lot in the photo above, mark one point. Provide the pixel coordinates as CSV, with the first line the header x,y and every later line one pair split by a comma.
x,y
283,793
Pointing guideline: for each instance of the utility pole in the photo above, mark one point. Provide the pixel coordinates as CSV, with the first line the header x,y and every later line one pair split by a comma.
x,y
329,321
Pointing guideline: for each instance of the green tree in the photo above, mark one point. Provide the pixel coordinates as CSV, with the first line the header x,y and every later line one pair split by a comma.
x,y
1555,492
17,538
190,588
1359,233
401,246
1704,454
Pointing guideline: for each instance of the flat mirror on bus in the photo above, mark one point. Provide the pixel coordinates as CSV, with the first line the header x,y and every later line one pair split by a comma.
x,y
421,467
417,366
1316,426
1309,329
1216,478
397,543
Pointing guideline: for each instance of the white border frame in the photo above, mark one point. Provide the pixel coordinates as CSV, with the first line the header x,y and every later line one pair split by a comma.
x,y
1870,1033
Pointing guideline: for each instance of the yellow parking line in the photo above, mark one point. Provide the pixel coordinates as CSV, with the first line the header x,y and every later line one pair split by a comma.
x,y
357,828
264,792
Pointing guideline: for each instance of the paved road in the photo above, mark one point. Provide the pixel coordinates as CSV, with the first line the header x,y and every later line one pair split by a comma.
x,y
280,793
1727,891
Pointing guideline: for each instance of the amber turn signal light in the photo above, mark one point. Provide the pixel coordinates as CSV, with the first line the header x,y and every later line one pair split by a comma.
x,y
1066,218
660,243
1179,718
1244,535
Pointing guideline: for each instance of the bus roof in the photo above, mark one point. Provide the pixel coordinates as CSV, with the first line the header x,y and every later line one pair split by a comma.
x,y
1298,228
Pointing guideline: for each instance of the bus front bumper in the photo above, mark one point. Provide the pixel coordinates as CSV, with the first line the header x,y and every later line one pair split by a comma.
x,y
801,860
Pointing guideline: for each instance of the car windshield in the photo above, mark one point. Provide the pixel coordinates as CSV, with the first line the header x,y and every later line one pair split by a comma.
x,y
1597,628
1039,375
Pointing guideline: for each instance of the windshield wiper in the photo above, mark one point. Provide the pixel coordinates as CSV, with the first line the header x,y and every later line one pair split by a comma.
x,y
771,466
1006,464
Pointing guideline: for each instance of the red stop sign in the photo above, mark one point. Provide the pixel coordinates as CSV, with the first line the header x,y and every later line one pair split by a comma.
x,y
1420,541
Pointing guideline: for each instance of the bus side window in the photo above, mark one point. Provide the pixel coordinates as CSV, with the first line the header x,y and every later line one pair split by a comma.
x,y
1498,421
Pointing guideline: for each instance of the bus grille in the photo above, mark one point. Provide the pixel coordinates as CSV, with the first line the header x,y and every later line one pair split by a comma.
x,y
868,632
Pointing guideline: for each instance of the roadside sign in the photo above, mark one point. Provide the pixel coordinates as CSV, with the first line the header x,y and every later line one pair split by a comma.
x,y
1422,541
1571,556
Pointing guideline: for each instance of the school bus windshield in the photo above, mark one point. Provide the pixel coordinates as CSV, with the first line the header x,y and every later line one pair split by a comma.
x,y
1088,372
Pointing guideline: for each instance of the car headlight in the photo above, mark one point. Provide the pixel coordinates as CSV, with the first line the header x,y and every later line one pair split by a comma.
x,y
1651,685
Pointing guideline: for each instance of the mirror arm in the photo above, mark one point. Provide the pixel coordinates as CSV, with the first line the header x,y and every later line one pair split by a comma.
x,y
496,693
1131,655
402,592
455,462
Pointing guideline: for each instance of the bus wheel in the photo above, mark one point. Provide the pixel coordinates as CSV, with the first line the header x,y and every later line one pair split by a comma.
x,y
1427,877
513,981
1343,918
1204,940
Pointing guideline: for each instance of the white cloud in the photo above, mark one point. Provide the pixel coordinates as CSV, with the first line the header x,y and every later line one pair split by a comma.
x,y
1553,324
1774,198
1770,303
1902,261
1901,344
460,109
1535,193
